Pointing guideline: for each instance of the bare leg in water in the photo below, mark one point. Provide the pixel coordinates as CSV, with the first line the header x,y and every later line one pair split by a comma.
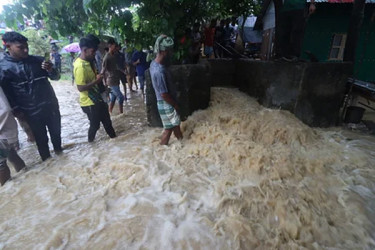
x,y
135,82
167,135
130,82
110,108
177,132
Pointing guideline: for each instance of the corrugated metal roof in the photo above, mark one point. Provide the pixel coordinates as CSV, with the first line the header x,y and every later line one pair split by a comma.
x,y
365,85
339,1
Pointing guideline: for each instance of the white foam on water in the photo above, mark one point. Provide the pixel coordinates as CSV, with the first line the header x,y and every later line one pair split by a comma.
x,y
243,177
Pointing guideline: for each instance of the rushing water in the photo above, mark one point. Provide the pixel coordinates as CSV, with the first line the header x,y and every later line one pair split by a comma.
x,y
244,177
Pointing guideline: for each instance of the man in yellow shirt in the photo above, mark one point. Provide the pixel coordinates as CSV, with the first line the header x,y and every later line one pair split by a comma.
x,y
88,82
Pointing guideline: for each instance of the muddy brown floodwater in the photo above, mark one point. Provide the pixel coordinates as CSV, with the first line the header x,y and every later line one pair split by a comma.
x,y
244,177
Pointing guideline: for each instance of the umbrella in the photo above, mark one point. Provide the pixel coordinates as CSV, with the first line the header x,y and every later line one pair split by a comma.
x,y
3,31
54,41
73,47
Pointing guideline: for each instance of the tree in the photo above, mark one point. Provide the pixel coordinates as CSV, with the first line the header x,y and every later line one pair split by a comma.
x,y
65,18
138,20
38,42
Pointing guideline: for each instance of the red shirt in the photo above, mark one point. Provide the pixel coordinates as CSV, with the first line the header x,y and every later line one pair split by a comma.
x,y
209,34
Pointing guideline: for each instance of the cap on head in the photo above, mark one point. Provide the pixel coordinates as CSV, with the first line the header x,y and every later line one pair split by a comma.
x,y
163,43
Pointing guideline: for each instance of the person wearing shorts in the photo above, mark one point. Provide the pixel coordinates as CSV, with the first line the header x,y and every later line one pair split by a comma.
x,y
112,73
165,89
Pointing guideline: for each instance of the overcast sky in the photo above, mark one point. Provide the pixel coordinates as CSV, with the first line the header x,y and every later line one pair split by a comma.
x,y
4,2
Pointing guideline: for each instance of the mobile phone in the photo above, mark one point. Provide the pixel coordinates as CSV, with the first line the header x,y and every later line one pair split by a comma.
x,y
46,56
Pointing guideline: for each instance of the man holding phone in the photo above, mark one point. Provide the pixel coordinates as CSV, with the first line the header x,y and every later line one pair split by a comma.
x,y
88,82
24,79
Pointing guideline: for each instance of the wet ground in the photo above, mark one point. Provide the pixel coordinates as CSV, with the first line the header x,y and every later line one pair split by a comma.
x,y
244,177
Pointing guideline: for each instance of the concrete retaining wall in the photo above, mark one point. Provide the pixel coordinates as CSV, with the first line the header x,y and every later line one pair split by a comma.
x,y
222,72
193,91
312,91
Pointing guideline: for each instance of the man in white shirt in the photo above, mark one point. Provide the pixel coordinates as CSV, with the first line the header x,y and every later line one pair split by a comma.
x,y
8,140
234,26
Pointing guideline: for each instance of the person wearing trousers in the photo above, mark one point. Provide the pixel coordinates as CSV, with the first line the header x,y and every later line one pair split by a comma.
x,y
88,84
24,79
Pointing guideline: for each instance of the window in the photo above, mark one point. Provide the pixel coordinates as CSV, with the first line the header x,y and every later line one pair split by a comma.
x,y
338,46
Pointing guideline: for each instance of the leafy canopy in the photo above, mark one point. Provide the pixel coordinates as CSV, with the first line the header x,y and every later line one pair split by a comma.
x,y
140,21
38,42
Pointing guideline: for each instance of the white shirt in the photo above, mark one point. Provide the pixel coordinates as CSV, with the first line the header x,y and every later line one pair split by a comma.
x,y
235,33
8,124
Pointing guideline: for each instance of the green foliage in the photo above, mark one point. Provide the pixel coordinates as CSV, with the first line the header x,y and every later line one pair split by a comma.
x,y
38,42
141,21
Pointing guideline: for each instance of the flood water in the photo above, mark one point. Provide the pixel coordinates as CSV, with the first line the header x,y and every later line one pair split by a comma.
x,y
244,177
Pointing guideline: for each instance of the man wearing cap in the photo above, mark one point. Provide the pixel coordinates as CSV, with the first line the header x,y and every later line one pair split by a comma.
x,y
24,79
88,82
165,90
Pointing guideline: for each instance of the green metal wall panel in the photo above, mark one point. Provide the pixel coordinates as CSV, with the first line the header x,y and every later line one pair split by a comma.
x,y
365,55
330,19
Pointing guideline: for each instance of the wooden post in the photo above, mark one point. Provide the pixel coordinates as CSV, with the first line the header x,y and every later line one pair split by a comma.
x,y
278,5
351,45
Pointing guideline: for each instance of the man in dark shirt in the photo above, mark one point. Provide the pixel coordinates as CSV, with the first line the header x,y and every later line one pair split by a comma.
x,y
130,68
139,60
228,33
219,40
290,26
24,79
56,59
121,68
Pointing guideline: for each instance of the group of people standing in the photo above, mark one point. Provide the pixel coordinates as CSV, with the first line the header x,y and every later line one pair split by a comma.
x,y
91,83
27,94
122,67
221,38
218,38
